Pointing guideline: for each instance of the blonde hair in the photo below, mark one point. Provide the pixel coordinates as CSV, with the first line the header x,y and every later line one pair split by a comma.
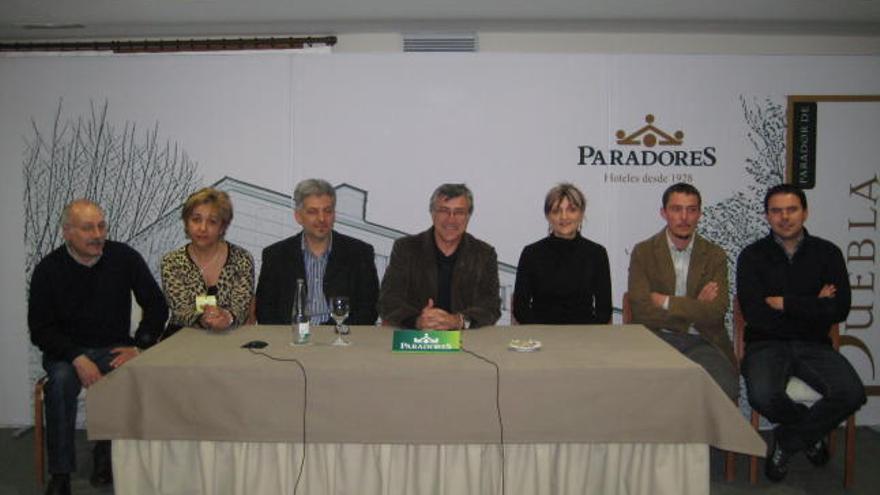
x,y
565,190
209,196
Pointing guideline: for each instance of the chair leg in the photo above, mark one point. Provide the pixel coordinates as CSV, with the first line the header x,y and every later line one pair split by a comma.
x,y
39,442
849,462
832,442
753,460
730,467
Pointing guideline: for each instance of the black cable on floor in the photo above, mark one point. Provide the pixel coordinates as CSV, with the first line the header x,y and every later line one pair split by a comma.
x,y
497,408
302,368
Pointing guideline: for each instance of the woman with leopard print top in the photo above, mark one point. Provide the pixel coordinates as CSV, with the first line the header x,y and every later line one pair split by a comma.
x,y
209,282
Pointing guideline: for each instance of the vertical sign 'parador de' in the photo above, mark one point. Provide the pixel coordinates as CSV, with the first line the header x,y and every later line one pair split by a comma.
x,y
804,144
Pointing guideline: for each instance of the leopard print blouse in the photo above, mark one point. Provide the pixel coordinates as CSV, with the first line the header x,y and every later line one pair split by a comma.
x,y
182,281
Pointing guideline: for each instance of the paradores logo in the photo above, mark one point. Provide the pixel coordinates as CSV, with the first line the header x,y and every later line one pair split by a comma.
x,y
645,139
429,341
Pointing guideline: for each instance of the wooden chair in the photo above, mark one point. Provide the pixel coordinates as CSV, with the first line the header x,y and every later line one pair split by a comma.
x,y
39,403
39,433
730,457
40,429
799,392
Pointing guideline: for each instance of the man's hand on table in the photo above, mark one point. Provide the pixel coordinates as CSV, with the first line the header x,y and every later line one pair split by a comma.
x,y
433,318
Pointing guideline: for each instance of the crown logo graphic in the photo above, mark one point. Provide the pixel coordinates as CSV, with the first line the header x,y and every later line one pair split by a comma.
x,y
426,339
650,136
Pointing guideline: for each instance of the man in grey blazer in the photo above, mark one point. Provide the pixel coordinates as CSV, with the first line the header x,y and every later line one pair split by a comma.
x,y
678,288
443,278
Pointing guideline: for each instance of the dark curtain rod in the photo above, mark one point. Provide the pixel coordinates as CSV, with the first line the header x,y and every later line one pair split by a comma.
x,y
171,46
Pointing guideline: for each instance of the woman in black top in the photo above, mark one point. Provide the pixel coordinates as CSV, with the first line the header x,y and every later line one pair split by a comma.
x,y
563,278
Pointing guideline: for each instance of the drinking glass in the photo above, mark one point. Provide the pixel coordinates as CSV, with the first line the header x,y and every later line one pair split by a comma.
x,y
339,309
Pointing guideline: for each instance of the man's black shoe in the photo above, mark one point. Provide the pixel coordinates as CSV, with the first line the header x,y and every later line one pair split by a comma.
x,y
776,464
59,485
102,470
818,454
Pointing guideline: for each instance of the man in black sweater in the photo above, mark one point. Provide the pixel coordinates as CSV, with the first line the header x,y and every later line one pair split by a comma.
x,y
792,288
79,316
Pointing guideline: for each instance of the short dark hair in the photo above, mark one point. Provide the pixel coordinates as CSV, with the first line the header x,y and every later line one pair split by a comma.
x,y
785,189
683,188
451,191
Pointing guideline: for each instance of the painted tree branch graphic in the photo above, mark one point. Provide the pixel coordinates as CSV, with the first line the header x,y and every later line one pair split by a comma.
x,y
135,175
738,220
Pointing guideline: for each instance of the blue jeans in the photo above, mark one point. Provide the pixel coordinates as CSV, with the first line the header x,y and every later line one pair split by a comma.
x,y
61,392
767,367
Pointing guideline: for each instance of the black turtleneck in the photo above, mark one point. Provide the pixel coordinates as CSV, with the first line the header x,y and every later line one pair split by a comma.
x,y
445,265
563,281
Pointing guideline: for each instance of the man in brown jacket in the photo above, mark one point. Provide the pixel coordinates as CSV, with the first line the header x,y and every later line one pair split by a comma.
x,y
678,288
443,278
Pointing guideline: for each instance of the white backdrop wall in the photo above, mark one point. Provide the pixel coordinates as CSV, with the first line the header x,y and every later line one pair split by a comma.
x,y
678,42
848,173
394,126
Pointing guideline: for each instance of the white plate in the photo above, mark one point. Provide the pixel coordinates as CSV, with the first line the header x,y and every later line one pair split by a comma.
x,y
519,345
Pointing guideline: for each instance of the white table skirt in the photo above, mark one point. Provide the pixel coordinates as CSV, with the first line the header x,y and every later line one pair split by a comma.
x,y
252,468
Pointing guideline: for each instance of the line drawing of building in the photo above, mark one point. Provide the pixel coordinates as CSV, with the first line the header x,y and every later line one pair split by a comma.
x,y
263,216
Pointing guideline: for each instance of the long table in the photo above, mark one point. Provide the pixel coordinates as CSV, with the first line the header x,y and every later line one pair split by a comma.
x,y
604,408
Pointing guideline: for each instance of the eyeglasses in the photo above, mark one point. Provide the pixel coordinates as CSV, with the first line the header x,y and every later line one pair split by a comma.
x,y
448,212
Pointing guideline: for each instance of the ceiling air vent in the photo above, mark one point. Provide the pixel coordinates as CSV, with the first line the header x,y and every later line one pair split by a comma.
x,y
440,42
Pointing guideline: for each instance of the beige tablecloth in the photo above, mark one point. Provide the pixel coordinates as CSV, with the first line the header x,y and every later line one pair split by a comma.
x,y
183,467
606,385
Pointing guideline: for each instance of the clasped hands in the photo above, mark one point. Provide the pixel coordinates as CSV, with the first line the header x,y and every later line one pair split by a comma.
x,y
215,318
432,318
778,302
88,371
707,294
